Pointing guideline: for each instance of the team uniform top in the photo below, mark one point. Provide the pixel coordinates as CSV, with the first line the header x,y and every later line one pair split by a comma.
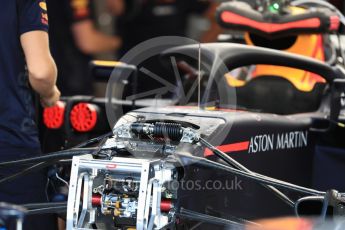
x,y
17,115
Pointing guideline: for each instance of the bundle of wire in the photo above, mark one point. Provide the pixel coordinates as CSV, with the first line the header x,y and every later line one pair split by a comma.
x,y
44,161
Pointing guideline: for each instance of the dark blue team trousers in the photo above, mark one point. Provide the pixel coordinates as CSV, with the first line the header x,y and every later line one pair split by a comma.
x,y
30,188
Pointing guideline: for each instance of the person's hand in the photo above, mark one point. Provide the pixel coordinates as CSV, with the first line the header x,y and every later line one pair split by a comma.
x,y
51,99
116,7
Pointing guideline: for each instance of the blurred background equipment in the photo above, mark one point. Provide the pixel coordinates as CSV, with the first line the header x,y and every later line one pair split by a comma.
x,y
138,21
11,217
74,40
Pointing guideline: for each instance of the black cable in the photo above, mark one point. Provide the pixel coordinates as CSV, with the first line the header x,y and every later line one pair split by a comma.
x,y
45,208
48,210
26,171
57,155
258,178
49,157
94,140
304,199
77,150
32,169
232,162
184,213
43,205
65,162
102,140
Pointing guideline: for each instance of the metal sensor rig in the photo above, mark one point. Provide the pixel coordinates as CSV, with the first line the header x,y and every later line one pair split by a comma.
x,y
122,193
132,192
171,131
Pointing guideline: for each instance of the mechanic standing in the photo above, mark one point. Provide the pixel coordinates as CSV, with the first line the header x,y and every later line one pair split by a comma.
x,y
25,64
138,21
74,38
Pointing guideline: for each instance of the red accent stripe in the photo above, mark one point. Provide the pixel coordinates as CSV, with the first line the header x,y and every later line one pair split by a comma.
x,y
232,18
334,23
235,147
111,166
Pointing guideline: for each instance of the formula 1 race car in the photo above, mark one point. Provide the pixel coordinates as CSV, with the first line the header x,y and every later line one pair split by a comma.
x,y
129,181
237,152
